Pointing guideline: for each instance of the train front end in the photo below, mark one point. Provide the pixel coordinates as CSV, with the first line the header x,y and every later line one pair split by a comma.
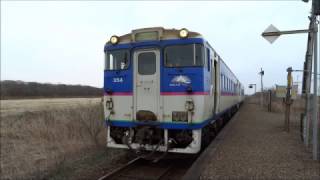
x,y
155,85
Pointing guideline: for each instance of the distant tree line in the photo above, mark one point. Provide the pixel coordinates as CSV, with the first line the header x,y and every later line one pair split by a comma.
x,y
20,89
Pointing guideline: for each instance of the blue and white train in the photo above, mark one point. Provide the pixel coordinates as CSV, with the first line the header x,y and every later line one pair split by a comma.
x,y
165,90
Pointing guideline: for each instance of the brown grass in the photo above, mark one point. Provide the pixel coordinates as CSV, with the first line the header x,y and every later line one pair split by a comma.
x,y
33,144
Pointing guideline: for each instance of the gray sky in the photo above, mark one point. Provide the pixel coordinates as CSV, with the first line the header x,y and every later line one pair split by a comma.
x,y
62,42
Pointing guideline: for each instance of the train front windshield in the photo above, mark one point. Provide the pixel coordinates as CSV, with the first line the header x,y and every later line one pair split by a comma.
x,y
184,55
117,60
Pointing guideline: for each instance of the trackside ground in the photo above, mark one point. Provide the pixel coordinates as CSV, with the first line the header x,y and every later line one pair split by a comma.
x,y
253,145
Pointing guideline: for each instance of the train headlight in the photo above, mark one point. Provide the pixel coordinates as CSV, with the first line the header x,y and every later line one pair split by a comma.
x,y
183,33
114,39
189,105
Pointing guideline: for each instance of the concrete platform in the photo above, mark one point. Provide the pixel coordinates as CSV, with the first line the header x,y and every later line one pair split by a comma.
x,y
253,145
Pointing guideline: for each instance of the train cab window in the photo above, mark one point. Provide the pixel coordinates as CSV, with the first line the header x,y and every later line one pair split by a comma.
x,y
147,63
117,60
184,55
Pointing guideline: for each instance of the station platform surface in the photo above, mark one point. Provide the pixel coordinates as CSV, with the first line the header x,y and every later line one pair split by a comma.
x,y
254,145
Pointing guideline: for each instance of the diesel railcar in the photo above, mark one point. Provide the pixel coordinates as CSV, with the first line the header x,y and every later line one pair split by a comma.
x,y
163,88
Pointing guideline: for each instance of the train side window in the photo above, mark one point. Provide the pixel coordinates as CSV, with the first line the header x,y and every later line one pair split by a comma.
x,y
235,88
208,59
226,83
221,82
231,86
227,86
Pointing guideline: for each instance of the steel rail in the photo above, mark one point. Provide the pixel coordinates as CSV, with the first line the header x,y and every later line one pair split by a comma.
x,y
120,169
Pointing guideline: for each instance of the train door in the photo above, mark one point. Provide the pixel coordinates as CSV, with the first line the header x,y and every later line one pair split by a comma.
x,y
146,85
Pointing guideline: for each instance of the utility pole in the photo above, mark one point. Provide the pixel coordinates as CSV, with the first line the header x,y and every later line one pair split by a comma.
x,y
261,97
306,84
312,49
314,25
315,93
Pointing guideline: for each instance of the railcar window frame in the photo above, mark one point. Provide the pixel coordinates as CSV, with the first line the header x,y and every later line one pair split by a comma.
x,y
221,82
107,53
224,83
194,54
141,63
208,58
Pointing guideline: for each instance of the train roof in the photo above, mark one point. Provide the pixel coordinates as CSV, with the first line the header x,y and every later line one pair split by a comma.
x,y
161,34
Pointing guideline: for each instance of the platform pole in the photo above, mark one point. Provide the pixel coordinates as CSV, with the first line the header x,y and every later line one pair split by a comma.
x,y
288,101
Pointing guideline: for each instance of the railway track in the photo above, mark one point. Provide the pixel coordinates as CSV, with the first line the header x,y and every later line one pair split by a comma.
x,y
173,166
142,169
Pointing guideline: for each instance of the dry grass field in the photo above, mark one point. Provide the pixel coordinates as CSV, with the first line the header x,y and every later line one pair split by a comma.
x,y
38,136
18,106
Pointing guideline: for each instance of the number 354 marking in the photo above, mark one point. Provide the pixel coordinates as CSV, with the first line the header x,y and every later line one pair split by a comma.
x,y
117,80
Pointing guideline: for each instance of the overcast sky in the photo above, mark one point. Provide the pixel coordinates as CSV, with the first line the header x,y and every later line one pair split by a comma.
x,y
62,42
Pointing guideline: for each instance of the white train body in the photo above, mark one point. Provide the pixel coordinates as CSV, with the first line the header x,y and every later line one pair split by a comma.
x,y
163,91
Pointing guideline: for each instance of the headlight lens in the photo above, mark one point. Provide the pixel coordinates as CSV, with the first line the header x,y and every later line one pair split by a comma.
x,y
183,33
114,39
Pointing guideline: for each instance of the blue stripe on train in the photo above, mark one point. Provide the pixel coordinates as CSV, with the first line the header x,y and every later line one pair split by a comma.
x,y
169,125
